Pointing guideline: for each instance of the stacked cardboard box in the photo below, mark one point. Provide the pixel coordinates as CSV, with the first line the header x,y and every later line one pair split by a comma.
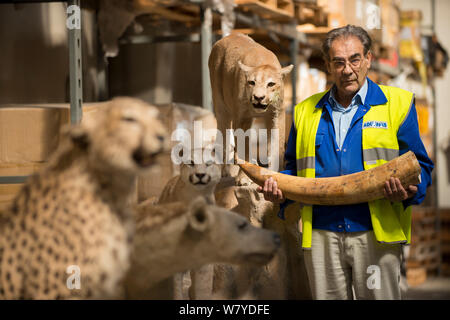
x,y
390,22
309,81
410,46
335,9
364,13
28,135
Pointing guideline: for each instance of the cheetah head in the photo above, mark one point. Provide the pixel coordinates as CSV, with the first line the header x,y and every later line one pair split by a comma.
x,y
126,136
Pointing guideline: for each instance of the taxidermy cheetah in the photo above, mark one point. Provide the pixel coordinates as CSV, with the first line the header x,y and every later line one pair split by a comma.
x,y
68,233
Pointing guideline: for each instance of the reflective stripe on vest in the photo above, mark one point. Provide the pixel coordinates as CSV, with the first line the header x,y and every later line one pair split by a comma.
x,y
306,163
374,154
390,221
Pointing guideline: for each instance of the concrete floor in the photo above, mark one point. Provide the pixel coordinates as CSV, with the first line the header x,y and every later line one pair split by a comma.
x,y
437,288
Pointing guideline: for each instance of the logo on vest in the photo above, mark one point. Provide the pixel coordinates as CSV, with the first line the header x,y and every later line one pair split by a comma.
x,y
375,124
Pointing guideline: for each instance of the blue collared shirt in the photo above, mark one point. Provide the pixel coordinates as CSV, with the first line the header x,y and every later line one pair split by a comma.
x,y
342,117
334,160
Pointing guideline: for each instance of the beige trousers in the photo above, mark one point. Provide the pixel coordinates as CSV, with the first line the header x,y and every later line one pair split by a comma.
x,y
352,265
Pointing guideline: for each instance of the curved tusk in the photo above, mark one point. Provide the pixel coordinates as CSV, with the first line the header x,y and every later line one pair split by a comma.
x,y
354,188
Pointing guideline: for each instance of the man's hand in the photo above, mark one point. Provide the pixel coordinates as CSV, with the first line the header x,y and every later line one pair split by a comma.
x,y
394,191
271,191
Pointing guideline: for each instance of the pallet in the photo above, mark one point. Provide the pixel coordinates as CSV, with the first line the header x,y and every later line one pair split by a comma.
x,y
424,250
445,215
306,1
445,231
445,269
280,10
430,264
424,237
445,247
185,13
420,213
424,227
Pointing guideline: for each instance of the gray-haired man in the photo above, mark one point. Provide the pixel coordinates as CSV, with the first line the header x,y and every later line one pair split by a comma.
x,y
355,126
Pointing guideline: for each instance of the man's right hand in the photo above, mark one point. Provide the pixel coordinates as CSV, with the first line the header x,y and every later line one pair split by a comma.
x,y
271,191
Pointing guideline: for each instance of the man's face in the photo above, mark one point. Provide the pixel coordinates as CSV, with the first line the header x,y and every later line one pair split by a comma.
x,y
347,65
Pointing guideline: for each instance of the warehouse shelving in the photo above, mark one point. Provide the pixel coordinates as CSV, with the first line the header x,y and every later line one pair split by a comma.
x,y
205,36
285,28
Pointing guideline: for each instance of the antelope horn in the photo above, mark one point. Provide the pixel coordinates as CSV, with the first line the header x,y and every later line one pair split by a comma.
x,y
354,188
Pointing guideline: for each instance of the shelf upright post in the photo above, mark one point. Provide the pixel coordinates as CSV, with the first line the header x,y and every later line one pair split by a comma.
x,y
206,44
294,50
76,88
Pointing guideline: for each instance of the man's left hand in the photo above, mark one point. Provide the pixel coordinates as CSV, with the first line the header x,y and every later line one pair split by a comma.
x,y
394,191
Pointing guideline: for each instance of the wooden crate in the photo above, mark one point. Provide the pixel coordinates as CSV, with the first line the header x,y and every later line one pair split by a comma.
x,y
445,269
307,13
431,264
425,249
425,239
419,213
282,10
286,5
175,11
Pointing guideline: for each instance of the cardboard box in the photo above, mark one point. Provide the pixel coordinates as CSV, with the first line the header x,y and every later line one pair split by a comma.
x,y
390,22
7,194
416,276
28,136
30,133
410,35
364,13
336,20
309,81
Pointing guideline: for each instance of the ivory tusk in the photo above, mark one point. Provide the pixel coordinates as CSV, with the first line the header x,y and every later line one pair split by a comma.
x,y
354,188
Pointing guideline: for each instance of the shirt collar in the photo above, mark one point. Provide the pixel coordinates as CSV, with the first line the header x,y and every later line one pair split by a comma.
x,y
374,95
359,98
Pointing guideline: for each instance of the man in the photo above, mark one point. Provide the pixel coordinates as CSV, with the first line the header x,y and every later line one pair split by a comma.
x,y
355,126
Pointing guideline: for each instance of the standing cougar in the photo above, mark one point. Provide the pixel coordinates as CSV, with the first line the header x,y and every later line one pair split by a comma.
x,y
247,82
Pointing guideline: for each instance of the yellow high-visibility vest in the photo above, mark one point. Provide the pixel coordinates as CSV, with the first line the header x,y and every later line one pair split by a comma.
x,y
390,221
